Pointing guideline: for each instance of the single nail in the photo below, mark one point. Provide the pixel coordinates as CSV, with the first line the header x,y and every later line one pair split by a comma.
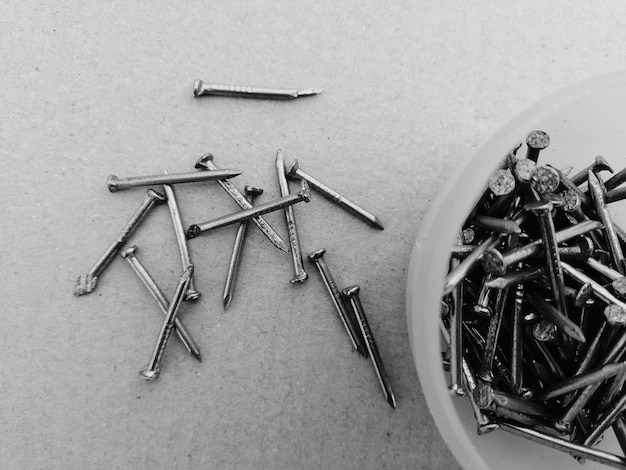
x,y
205,162
181,240
510,402
493,333
580,381
609,230
233,265
566,446
153,288
294,240
545,331
517,338
606,399
544,180
484,423
87,282
536,142
616,180
456,338
317,257
599,164
352,293
118,184
153,369
501,182
606,420
496,262
524,169
619,428
571,200
277,204
515,277
481,306
212,89
295,172
599,290
557,317
544,212
497,224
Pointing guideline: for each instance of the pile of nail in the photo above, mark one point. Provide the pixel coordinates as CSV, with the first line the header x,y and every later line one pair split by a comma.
x,y
533,311
346,302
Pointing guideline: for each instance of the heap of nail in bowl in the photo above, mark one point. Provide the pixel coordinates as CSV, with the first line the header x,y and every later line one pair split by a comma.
x,y
345,301
534,313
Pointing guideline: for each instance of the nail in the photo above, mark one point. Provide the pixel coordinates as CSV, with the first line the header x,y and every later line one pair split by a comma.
x,y
294,240
543,211
352,293
515,277
517,338
618,280
619,428
153,369
211,89
544,180
246,214
493,333
317,257
616,180
495,262
497,224
233,265
296,173
609,230
589,356
192,292
580,381
87,282
153,288
536,142
524,169
530,408
567,184
599,164
483,299
545,331
557,317
566,446
611,392
501,182
118,184
606,420
205,162
456,339
484,423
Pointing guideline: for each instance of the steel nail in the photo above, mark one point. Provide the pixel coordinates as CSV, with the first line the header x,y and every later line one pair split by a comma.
x,y
501,182
87,282
544,180
493,332
599,164
181,240
517,338
497,224
233,265
557,317
294,240
599,290
153,288
201,88
352,293
579,381
456,338
317,257
277,204
296,172
153,369
118,184
205,162
536,142
616,180
606,420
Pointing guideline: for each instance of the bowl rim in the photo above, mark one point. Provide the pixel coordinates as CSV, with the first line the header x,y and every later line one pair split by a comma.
x,y
428,260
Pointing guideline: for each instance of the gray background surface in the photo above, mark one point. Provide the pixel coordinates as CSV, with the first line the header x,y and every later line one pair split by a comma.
x,y
93,88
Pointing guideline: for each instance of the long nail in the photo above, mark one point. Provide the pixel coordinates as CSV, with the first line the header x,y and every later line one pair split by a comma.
x,y
317,257
566,446
606,420
192,292
118,184
205,162
557,317
599,164
333,196
543,211
246,214
456,338
153,369
87,282
609,230
294,240
493,333
233,265
352,293
517,338
536,142
616,180
497,224
153,288
201,88
580,381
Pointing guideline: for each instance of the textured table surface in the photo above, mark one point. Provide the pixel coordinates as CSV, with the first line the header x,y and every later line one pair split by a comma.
x,y
411,88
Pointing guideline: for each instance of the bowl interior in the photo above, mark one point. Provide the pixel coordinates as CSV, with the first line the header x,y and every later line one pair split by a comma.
x,y
582,120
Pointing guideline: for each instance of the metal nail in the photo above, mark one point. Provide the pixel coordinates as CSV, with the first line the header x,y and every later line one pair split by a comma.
x,y
580,381
352,293
616,180
296,172
118,184
544,180
456,338
515,277
501,182
277,204
233,265
153,288
201,88
599,290
153,369
205,162
317,257
517,338
493,332
294,240
557,317
87,282
599,164
606,420
497,224
536,142
181,240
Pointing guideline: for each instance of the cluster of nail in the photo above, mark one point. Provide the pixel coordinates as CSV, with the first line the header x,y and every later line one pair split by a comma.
x,y
346,302
534,311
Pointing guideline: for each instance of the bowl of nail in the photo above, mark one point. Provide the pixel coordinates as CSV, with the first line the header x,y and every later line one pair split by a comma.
x,y
516,293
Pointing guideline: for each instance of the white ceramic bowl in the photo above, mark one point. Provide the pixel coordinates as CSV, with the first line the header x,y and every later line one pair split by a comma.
x,y
582,120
